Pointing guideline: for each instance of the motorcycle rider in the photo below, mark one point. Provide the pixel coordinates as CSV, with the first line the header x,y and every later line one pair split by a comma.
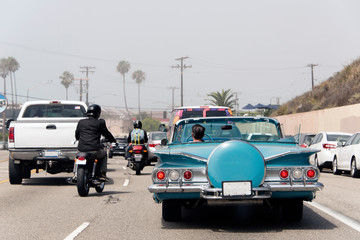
x,y
88,132
136,136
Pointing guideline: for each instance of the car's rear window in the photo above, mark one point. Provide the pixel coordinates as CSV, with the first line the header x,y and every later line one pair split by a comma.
x,y
158,136
121,140
338,137
54,111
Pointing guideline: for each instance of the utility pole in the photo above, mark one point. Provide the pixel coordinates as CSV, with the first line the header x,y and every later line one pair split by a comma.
x,y
312,73
81,88
87,83
173,89
182,66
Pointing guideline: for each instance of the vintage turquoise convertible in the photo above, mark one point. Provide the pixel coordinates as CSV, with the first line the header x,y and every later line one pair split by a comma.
x,y
240,158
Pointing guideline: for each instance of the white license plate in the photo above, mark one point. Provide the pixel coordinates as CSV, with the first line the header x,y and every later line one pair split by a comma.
x,y
236,189
51,153
80,162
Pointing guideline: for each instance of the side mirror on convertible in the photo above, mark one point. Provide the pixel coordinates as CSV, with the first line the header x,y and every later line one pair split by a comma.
x,y
164,142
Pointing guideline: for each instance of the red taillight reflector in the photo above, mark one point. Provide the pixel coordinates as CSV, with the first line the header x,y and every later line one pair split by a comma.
x,y
137,151
284,173
311,173
81,158
153,144
11,135
329,146
187,175
303,145
160,175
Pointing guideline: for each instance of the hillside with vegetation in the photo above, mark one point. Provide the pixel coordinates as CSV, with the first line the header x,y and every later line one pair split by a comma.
x,y
339,90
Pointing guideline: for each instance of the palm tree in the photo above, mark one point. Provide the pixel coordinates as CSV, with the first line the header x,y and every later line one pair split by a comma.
x,y
66,80
124,67
4,71
13,67
139,77
223,98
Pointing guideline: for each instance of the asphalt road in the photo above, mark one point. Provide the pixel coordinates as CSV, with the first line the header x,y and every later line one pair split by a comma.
x,y
46,207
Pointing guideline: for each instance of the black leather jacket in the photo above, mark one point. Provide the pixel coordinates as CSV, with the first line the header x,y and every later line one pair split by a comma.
x,y
89,131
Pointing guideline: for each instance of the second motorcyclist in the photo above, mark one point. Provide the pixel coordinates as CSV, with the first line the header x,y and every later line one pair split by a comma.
x,y
136,136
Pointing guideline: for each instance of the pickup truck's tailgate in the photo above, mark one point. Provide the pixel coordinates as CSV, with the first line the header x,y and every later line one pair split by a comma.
x,y
45,135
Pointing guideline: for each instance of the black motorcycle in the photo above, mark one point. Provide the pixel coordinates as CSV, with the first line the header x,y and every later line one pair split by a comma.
x,y
138,158
87,172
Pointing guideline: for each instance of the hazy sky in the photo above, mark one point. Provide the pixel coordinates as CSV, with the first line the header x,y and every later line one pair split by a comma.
x,y
257,48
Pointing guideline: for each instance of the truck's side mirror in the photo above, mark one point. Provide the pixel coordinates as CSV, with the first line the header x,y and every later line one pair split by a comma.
x,y
7,124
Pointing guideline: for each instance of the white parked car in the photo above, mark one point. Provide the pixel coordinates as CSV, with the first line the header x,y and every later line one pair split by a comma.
x,y
347,157
326,142
154,139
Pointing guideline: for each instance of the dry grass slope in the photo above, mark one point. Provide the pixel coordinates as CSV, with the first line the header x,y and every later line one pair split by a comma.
x,y
339,90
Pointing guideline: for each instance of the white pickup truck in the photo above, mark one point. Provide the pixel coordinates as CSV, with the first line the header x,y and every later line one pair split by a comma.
x,y
43,137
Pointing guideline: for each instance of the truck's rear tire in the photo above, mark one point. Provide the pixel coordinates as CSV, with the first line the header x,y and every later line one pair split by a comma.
x,y
82,183
15,172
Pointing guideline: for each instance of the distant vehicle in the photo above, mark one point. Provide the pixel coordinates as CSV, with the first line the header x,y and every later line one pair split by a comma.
x,y
197,111
304,139
154,139
326,142
347,157
118,148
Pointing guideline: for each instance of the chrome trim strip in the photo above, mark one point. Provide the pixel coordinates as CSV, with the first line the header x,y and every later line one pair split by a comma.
x,y
190,156
289,153
206,188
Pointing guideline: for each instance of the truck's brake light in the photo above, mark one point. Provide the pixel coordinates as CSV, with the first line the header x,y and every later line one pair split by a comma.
x,y
11,135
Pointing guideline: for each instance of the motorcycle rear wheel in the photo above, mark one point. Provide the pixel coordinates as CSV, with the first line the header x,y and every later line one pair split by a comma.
x,y
137,168
83,186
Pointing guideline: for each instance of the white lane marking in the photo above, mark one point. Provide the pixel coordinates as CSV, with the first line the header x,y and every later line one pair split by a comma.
x,y
344,219
77,231
126,182
124,168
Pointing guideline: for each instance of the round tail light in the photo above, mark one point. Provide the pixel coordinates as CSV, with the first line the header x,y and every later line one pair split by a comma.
x,y
187,175
284,174
160,175
311,173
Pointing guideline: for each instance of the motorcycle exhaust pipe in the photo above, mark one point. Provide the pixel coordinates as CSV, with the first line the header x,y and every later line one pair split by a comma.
x,y
131,165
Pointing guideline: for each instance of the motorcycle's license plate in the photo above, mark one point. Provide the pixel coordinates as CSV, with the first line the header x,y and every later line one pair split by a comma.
x,y
138,157
51,153
236,188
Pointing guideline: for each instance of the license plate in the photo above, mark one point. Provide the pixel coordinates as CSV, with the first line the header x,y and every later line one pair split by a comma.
x,y
236,188
51,153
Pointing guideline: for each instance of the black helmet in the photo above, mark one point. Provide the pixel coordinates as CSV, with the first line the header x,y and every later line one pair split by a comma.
x,y
94,110
137,124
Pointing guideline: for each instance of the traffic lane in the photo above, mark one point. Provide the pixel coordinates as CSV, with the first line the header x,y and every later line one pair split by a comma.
x,y
136,216
47,207
341,193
